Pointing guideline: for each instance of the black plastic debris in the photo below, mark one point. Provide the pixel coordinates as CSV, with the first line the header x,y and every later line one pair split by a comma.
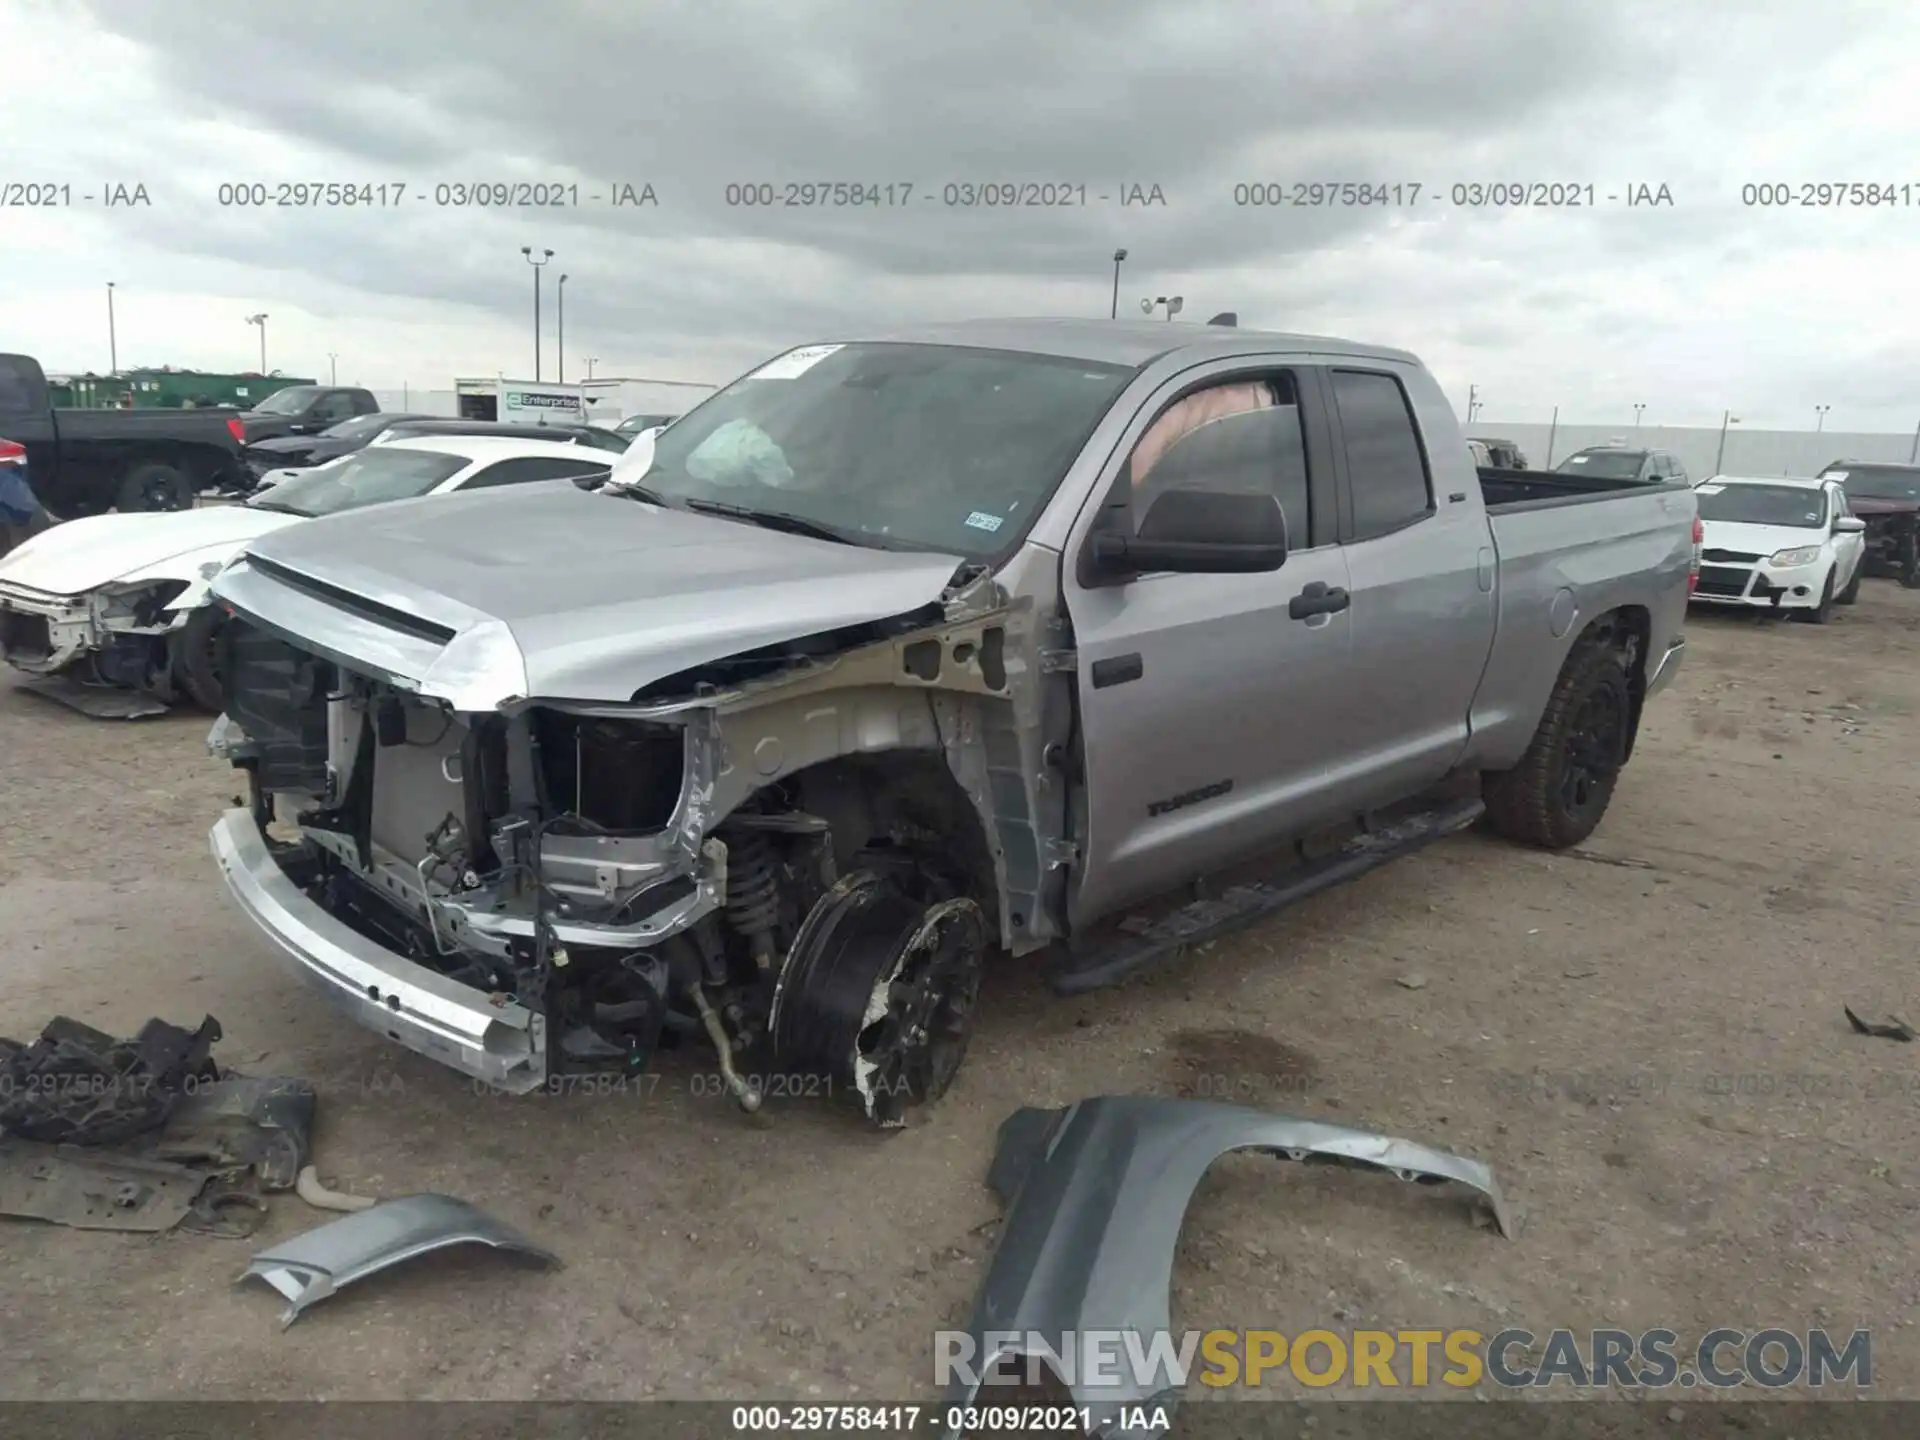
x,y
76,1085
1895,1029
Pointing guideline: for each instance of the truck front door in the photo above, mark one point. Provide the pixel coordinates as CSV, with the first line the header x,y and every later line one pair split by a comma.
x,y
1211,721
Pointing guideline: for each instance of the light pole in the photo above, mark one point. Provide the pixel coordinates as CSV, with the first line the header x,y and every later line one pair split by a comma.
x,y
333,368
261,321
1727,418
1172,302
1473,401
560,339
545,255
1118,256
113,340
1821,423
1636,415
592,360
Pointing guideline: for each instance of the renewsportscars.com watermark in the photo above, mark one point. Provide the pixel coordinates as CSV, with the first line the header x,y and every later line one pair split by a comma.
x,y
1772,1358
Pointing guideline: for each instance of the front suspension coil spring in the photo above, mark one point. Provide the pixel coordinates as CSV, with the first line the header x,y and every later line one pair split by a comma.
x,y
753,883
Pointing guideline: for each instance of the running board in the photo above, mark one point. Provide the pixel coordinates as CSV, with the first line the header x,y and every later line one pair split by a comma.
x,y
1242,905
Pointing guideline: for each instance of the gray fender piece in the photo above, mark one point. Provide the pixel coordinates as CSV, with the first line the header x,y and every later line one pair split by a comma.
x,y
312,1266
1096,1195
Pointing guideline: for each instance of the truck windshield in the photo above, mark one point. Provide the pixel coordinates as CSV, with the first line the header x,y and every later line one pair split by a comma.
x,y
1605,464
1879,482
925,447
290,401
1800,506
365,477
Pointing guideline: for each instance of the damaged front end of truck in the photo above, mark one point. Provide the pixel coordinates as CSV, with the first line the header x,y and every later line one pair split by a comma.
x,y
798,853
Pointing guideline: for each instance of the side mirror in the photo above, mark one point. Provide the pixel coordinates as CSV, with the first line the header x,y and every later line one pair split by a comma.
x,y
1849,525
1198,532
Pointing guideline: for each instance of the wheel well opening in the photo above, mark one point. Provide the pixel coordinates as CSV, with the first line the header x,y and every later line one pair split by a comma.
x,y
911,802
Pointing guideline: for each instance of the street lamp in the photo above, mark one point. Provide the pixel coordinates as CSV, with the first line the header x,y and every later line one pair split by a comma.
x,y
261,321
592,360
1727,418
113,341
1172,302
1636,415
333,368
1118,256
545,255
1821,411
560,339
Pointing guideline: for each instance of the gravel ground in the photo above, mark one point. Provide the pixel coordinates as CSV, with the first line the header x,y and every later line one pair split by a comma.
x,y
1700,1140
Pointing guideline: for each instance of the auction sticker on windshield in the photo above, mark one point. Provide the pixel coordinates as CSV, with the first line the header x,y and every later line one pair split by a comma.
x,y
981,520
794,362
1708,489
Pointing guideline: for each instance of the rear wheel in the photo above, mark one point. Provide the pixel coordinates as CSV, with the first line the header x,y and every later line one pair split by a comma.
x,y
153,486
1557,793
1823,612
195,654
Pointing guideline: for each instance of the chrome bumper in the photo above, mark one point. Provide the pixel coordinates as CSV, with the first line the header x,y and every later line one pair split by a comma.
x,y
501,1044
1669,665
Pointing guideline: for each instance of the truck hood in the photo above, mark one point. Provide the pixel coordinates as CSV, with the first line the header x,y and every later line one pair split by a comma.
x,y
550,591
84,554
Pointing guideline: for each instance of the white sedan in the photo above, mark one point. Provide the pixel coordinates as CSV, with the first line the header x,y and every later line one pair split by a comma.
x,y
119,602
1779,544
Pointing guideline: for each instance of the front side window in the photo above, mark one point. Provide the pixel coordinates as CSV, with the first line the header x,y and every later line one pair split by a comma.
x,y
1386,467
1241,436
904,446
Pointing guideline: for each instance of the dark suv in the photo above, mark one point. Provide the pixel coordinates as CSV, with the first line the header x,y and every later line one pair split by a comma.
x,y
1887,497
1617,462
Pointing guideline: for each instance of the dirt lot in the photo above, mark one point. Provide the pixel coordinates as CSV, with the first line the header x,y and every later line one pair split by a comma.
x,y
1703,1142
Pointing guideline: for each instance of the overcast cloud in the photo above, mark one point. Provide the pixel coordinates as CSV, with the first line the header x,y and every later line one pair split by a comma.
x,y
1687,308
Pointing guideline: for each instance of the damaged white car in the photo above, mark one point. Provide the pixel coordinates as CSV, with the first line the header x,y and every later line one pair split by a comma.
x,y
110,613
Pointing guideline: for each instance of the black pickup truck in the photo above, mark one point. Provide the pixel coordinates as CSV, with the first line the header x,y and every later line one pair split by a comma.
x,y
84,462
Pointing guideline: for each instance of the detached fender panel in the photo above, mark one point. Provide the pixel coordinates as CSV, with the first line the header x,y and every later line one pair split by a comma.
x,y
310,1267
1097,1193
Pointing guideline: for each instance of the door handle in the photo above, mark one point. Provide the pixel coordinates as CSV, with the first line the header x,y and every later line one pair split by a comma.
x,y
1318,598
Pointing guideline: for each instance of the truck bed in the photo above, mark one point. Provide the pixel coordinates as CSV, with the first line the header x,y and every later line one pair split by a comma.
x,y
207,426
1507,491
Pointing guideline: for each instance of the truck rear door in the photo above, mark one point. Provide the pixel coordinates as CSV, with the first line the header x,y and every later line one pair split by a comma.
x,y
1211,718
1421,571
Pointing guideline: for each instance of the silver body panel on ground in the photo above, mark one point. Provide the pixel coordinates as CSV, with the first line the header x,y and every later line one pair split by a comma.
x,y
1096,1196
310,1267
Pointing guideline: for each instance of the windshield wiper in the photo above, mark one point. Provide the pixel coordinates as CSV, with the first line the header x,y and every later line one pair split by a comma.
x,y
781,520
279,509
638,491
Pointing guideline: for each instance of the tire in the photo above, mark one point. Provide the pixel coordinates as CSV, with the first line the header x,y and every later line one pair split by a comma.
x,y
1823,612
1852,593
153,486
1557,794
194,655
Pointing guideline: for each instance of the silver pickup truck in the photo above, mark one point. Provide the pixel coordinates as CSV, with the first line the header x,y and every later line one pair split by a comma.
x,y
1088,638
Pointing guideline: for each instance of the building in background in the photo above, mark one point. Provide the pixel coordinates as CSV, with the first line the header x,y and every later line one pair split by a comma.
x,y
601,401
165,388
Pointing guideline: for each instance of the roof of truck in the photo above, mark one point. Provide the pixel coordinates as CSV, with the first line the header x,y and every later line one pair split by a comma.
x,y
1125,342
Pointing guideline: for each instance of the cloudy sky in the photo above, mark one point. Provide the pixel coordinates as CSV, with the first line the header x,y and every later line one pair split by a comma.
x,y
1688,307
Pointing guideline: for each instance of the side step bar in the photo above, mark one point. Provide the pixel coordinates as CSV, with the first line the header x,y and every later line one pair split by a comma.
x,y
1242,905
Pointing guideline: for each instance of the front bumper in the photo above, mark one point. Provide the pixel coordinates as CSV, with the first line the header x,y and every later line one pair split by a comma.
x,y
502,1044
42,633
1762,586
